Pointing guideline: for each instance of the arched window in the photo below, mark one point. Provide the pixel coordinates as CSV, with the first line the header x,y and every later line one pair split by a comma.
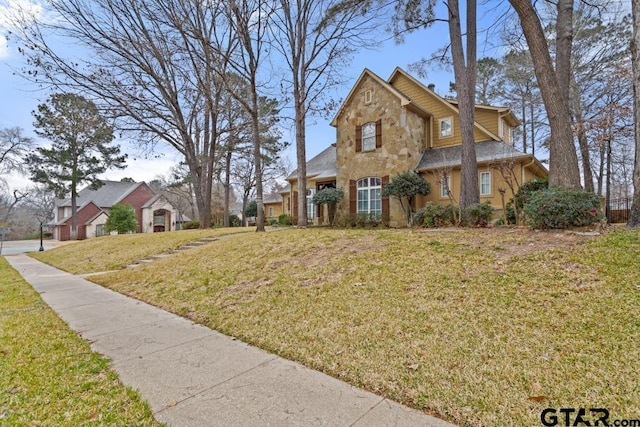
x,y
369,196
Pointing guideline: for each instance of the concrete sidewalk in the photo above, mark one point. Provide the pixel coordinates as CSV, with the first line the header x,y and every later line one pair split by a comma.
x,y
193,376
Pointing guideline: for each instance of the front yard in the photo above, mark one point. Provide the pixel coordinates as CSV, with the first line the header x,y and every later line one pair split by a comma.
x,y
48,375
481,327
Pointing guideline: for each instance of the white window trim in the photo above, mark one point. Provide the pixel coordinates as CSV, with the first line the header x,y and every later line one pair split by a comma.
x,y
311,207
489,192
445,184
369,189
368,96
445,119
372,137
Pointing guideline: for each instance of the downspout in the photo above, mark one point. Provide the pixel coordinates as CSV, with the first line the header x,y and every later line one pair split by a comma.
x,y
533,159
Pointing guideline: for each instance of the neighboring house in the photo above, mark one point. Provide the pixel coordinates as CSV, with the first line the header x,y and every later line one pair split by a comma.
x,y
387,127
154,213
272,206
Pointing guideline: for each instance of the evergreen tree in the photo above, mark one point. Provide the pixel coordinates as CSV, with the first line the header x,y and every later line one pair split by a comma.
x,y
122,218
80,151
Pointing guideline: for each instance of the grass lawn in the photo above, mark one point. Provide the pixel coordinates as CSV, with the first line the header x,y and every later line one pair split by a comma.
x,y
116,252
482,327
48,375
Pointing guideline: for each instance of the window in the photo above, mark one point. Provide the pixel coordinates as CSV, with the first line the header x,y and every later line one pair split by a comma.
x,y
100,230
369,136
311,208
368,96
270,211
446,127
445,185
485,183
369,197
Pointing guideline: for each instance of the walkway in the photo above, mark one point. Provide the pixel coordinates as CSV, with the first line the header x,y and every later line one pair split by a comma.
x,y
193,376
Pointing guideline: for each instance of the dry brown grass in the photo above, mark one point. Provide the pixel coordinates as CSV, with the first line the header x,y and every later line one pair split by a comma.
x,y
483,327
116,252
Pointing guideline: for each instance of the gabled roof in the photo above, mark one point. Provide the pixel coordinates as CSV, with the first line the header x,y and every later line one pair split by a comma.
x,y
324,165
110,193
80,208
404,100
486,151
399,71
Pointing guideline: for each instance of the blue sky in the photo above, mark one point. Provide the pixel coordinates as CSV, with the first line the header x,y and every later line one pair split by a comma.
x,y
18,98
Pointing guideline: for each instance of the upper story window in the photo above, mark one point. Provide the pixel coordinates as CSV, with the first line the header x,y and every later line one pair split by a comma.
x,y
446,127
369,136
368,96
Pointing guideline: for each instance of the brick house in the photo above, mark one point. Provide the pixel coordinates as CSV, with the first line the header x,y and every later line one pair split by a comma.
x,y
154,213
387,127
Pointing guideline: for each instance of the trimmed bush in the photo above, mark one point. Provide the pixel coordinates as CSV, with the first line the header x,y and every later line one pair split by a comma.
x,y
478,215
523,195
435,215
285,219
191,225
556,208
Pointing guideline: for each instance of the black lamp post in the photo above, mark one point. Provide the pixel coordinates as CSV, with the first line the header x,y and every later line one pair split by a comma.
x,y
41,245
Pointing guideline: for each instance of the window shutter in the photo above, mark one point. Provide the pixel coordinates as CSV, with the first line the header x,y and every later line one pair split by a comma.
x,y
385,199
295,204
379,134
353,197
358,138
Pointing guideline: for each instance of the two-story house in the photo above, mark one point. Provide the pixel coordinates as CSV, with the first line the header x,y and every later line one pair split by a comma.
x,y
153,211
387,127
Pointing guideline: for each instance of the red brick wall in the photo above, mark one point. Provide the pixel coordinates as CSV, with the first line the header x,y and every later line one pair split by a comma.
x,y
84,215
137,198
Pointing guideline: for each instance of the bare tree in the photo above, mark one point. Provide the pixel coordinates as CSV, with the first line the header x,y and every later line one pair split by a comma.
x,y
14,146
563,160
248,22
148,63
634,215
464,67
314,46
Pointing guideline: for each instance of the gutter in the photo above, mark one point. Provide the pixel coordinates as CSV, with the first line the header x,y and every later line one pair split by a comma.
x,y
533,159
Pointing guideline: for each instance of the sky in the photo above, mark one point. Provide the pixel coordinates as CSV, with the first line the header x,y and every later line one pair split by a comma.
x,y
18,97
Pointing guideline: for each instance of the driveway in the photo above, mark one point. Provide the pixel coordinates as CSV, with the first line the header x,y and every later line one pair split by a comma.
x,y
13,247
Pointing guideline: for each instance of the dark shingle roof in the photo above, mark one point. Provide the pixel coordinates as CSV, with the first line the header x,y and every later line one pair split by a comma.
x,y
451,156
105,196
321,166
272,198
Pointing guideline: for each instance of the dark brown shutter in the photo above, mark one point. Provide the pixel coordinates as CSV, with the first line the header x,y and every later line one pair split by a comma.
x,y
295,204
320,211
353,197
385,199
379,134
358,138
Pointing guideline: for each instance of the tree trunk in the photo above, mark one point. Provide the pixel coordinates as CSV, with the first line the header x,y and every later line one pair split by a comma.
x,y
465,76
73,235
257,156
563,159
301,158
634,215
564,41
227,187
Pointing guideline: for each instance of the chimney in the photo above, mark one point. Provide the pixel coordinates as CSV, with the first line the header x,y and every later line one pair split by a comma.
x,y
431,87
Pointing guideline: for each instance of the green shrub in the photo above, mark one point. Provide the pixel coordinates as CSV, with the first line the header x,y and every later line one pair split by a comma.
x,y
523,195
557,208
436,215
478,215
285,219
234,221
191,225
122,218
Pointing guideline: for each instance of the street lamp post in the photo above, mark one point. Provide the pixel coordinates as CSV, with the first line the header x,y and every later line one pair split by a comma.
x,y
41,245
